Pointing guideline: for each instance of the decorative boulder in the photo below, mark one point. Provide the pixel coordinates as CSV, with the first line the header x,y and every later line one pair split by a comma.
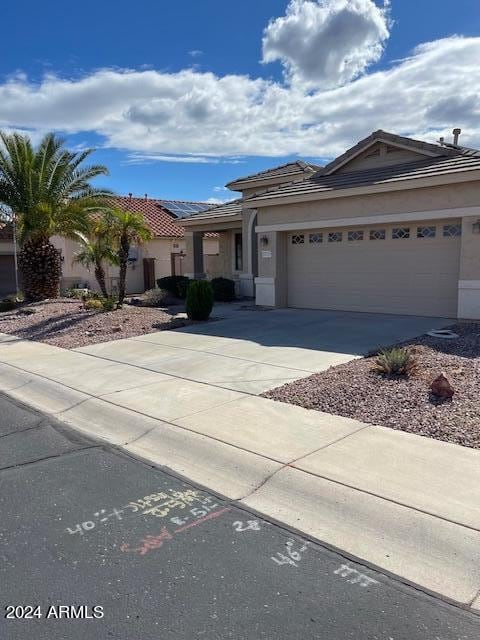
x,y
442,387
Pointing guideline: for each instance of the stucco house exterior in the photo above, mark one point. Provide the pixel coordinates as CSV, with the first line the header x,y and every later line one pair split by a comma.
x,y
162,256
7,264
390,226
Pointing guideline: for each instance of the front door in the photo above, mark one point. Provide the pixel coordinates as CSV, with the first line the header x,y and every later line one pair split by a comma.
x,y
177,263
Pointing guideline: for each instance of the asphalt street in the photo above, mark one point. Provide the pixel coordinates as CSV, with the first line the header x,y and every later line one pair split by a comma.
x,y
136,553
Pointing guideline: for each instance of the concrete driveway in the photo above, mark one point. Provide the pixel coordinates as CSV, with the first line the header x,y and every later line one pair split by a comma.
x,y
251,351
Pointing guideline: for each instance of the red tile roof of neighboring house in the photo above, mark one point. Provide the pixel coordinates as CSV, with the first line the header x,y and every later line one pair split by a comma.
x,y
158,217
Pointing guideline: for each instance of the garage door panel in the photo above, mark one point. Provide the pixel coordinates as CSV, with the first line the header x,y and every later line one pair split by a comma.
x,y
416,276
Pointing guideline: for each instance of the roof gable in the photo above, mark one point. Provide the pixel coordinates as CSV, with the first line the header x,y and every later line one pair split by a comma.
x,y
383,149
281,172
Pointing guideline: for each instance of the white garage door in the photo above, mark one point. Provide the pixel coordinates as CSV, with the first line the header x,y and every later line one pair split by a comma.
x,y
408,269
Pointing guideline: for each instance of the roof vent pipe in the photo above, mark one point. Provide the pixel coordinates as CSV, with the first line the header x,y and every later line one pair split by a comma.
x,y
456,133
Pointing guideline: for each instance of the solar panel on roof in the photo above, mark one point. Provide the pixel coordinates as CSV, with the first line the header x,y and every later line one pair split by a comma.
x,y
183,209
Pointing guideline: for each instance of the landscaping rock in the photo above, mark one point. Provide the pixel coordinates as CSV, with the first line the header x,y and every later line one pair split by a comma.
x,y
116,328
442,387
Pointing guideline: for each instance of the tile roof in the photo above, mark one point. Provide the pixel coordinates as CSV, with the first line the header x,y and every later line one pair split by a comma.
x,y
415,145
298,166
156,213
464,160
227,209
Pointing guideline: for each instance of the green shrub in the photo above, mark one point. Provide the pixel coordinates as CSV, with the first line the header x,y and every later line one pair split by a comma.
x,y
199,300
79,294
156,298
108,304
8,304
223,289
182,286
397,361
93,304
176,285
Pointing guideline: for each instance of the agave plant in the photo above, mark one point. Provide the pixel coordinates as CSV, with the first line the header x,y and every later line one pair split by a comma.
x,y
49,193
397,361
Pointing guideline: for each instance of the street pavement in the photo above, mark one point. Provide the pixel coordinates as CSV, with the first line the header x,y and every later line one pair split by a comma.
x,y
84,524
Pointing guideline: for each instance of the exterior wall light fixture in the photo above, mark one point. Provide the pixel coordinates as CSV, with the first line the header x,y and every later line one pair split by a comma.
x,y
476,227
264,240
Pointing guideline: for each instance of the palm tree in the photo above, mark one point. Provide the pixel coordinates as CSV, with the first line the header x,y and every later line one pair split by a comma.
x,y
49,193
95,250
127,229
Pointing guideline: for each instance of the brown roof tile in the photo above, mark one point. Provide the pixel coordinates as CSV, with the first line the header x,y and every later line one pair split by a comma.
x,y
160,220
320,183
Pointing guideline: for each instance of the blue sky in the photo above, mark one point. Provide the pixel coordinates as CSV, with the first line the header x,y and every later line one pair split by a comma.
x,y
152,81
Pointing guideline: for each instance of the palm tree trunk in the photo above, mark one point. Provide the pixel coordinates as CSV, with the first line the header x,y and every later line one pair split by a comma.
x,y
100,277
123,259
41,267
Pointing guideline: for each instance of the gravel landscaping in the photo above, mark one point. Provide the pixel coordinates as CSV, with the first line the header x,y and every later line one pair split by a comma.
x,y
65,323
355,391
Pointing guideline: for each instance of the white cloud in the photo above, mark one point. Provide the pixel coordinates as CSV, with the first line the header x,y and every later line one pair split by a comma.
x,y
195,53
218,200
220,189
148,158
198,117
325,43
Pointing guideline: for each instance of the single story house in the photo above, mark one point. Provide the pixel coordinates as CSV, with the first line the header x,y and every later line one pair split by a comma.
x,y
390,226
164,255
7,261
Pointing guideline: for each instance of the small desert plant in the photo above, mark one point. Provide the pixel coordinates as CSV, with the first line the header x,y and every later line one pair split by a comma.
x,y
199,302
93,304
156,298
108,303
176,285
75,293
223,289
397,361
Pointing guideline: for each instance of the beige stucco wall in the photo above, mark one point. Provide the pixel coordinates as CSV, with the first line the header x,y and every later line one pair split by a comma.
x,y
6,248
466,194
382,159
452,200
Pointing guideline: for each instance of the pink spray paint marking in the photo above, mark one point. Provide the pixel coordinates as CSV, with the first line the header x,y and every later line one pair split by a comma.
x,y
155,542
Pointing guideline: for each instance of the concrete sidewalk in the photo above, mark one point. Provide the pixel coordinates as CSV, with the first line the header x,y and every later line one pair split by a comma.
x,y
406,504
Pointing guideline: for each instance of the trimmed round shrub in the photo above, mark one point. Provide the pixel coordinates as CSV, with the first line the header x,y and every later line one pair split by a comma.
x,y
199,302
176,285
223,289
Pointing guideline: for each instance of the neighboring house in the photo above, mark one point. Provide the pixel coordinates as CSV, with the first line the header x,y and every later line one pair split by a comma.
x,y
164,255
390,226
7,262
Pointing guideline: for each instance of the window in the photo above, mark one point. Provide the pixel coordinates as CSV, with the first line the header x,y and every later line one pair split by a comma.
x,y
315,238
298,239
335,236
400,233
377,234
238,252
452,230
426,232
355,235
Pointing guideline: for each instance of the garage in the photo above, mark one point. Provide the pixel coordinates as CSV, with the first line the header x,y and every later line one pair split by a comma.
x,y
7,275
406,268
